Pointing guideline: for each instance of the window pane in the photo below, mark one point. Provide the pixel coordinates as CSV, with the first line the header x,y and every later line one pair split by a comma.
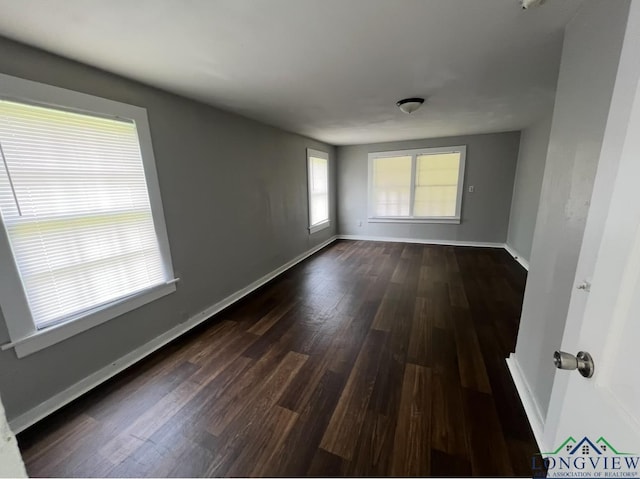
x,y
391,186
436,184
75,205
318,190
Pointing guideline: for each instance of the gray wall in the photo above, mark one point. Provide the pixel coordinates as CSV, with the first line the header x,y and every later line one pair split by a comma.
x,y
590,56
528,183
490,168
235,201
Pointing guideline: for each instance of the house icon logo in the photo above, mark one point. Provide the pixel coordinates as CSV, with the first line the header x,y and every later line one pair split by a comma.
x,y
586,447
587,458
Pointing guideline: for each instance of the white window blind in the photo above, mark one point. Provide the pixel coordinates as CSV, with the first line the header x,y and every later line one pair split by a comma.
x,y
318,190
392,186
75,206
436,186
417,185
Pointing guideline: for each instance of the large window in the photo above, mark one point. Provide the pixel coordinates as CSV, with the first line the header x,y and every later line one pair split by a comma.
x,y
416,185
318,176
82,238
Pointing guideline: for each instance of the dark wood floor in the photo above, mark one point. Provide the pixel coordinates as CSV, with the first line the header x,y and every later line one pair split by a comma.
x,y
367,359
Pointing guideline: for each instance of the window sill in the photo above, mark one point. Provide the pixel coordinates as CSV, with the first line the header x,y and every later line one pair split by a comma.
x,y
447,220
49,336
319,227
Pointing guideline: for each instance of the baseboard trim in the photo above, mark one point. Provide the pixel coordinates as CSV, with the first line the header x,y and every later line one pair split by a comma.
x,y
531,407
23,421
517,256
392,239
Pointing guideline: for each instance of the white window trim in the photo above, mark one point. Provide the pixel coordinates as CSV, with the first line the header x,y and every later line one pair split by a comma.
x,y
319,227
414,153
24,336
324,224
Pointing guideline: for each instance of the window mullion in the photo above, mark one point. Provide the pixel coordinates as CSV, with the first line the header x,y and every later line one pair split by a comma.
x,y
412,194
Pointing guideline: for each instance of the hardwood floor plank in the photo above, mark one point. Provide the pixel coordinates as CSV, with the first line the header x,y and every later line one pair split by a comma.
x,y
521,454
243,395
348,344
386,314
373,450
266,440
47,457
443,465
306,434
343,430
420,342
254,421
411,445
448,427
451,260
441,304
276,336
366,359
121,408
332,357
473,372
271,318
487,446
210,341
325,464
400,273
191,462
188,425
145,425
457,293
195,413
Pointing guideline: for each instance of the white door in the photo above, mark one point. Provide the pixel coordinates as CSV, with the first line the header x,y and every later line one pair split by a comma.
x,y
593,424
11,464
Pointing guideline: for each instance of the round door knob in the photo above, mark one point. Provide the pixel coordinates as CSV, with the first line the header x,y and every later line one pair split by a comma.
x,y
583,362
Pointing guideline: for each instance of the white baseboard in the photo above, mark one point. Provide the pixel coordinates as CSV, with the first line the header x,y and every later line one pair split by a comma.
x,y
391,239
42,410
531,407
517,256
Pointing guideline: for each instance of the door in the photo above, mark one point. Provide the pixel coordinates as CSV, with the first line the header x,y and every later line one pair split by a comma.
x,y
593,424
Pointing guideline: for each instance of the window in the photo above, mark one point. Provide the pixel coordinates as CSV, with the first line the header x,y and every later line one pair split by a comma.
x,y
416,185
318,176
83,235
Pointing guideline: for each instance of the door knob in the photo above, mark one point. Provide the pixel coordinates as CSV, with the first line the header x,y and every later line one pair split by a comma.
x,y
583,362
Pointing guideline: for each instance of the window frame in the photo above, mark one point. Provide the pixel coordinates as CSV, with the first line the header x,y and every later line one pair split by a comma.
x,y
24,336
312,153
414,153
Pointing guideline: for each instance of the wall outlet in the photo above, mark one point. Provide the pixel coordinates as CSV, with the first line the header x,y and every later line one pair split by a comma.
x,y
472,189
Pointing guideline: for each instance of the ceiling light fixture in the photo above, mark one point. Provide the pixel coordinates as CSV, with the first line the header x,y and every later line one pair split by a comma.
x,y
409,105
526,4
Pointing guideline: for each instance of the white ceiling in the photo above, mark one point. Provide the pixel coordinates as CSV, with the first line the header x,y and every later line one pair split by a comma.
x,y
329,69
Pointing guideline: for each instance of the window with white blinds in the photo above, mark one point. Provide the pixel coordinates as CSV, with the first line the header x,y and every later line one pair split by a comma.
x,y
80,231
318,176
416,185
392,186
75,207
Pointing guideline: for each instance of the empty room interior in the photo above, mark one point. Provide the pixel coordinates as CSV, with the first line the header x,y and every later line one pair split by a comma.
x,y
301,237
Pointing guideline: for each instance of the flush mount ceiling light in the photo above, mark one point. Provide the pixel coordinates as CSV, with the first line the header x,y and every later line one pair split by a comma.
x,y
409,105
526,4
